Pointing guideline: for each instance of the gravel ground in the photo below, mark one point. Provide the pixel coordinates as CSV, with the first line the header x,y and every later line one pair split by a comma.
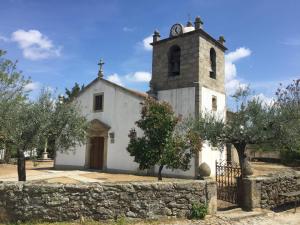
x,y
266,218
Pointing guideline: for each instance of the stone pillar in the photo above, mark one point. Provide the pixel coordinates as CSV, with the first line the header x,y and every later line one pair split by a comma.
x,y
251,193
211,194
156,36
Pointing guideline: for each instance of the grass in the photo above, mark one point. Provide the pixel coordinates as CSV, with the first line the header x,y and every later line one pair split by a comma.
x,y
120,221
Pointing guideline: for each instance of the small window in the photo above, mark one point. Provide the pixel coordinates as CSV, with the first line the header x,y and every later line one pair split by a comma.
x,y
98,102
214,103
174,60
213,70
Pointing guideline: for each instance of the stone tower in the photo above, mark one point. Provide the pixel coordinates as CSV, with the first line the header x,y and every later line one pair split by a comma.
x,y
188,72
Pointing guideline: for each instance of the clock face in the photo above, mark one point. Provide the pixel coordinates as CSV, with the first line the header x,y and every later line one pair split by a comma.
x,y
176,30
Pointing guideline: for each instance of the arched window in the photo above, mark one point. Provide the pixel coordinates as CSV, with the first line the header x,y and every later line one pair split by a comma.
x,y
213,71
174,61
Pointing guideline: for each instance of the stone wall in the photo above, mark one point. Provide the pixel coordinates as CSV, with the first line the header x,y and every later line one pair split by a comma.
x,y
53,202
265,191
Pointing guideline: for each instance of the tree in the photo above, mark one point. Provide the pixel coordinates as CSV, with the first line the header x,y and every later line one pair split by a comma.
x,y
249,124
73,93
36,121
161,144
24,124
286,125
13,94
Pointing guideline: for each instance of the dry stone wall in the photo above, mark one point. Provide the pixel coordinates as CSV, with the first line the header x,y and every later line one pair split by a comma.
x,y
26,201
265,191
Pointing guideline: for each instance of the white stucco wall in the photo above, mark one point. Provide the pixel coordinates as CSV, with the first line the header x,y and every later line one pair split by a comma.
x,y
74,157
183,102
121,110
206,101
208,154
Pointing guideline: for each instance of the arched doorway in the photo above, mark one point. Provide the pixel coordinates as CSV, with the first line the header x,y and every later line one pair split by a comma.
x,y
96,153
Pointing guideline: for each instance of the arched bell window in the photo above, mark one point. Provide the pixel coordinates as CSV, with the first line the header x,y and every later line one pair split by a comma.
x,y
174,60
213,69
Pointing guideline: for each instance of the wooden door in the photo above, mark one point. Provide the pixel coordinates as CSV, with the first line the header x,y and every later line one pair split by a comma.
x,y
96,153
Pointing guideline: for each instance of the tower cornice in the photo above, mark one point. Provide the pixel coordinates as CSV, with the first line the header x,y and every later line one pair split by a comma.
x,y
200,32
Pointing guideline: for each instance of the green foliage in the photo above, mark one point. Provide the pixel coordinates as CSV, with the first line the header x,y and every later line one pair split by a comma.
x,y
26,125
249,124
286,125
62,123
121,221
290,157
198,211
73,93
160,144
12,94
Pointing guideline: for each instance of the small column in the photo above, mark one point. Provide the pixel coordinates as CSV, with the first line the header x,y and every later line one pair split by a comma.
x,y
198,23
156,36
189,24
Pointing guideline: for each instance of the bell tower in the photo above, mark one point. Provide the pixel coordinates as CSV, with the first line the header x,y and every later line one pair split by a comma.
x,y
188,72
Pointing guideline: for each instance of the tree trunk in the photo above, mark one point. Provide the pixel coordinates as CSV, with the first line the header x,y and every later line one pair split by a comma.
x,y
159,172
241,147
21,166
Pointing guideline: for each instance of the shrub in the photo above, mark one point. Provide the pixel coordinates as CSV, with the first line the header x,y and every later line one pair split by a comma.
x,y
198,211
290,157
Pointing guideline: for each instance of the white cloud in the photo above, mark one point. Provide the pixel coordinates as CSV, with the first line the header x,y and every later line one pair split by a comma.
x,y
139,76
5,39
238,54
32,86
128,29
265,99
146,43
136,77
292,42
115,78
231,80
35,45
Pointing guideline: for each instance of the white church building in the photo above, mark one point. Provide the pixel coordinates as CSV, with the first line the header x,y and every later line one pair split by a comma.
x,y
187,71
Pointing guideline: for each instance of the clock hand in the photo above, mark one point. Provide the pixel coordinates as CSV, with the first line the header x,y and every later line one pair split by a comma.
x,y
176,30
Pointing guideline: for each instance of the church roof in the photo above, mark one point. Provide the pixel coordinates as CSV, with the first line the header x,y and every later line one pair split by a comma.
x,y
130,91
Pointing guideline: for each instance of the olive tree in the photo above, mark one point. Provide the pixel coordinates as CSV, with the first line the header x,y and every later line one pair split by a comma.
x,y
248,124
25,124
161,144
13,96
286,125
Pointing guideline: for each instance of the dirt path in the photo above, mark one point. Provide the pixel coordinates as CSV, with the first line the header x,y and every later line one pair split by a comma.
x,y
244,218
43,172
263,168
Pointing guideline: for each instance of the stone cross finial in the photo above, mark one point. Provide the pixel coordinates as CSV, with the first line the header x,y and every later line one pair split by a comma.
x,y
156,36
222,40
100,72
198,23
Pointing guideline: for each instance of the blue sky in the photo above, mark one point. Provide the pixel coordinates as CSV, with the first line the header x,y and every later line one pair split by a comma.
x,y
60,42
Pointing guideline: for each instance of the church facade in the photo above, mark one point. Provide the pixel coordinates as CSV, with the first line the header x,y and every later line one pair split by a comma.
x,y
187,71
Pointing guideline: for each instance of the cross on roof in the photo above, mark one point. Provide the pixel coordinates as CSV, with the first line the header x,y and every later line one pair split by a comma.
x,y
100,72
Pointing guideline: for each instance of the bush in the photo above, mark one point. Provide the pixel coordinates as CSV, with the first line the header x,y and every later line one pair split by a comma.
x,y
198,211
290,157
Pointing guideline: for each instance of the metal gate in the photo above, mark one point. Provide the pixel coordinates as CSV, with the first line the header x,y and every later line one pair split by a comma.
x,y
228,177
